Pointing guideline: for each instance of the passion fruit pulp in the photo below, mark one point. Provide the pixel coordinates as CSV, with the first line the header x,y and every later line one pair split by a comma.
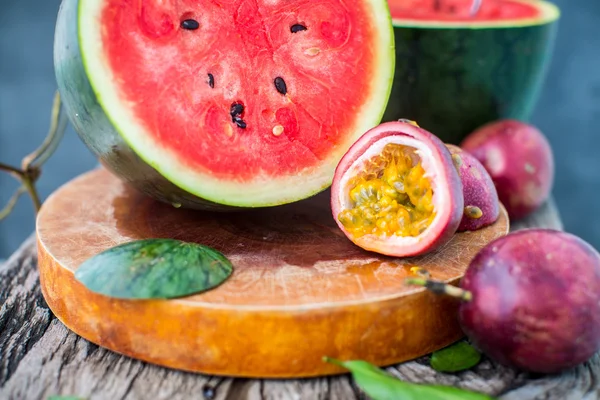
x,y
391,196
396,191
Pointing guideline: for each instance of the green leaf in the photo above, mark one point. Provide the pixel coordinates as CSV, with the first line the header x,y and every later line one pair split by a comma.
x,y
379,385
154,269
457,357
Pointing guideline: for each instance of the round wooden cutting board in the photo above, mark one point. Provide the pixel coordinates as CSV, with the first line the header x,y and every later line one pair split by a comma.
x,y
300,289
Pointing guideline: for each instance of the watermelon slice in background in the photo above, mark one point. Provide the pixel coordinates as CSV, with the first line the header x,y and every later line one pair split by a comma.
x,y
212,103
456,72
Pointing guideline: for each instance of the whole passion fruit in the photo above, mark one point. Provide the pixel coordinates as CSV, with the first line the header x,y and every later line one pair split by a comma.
x,y
482,206
519,159
531,300
396,191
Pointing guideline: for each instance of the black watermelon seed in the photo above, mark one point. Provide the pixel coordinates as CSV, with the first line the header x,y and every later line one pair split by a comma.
x,y
297,28
240,122
211,80
236,109
280,85
190,24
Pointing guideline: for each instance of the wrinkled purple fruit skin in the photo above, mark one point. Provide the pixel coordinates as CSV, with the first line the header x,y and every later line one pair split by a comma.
x,y
535,301
520,161
478,191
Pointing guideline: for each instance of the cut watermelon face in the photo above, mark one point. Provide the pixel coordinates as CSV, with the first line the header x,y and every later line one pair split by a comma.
x,y
243,103
453,13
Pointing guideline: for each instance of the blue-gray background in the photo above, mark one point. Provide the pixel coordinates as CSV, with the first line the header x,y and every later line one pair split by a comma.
x,y
568,112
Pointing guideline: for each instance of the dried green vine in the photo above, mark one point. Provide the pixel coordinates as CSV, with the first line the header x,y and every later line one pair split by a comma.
x,y
31,166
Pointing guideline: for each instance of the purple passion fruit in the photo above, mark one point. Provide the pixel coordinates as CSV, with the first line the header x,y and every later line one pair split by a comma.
x,y
534,300
519,159
482,206
396,191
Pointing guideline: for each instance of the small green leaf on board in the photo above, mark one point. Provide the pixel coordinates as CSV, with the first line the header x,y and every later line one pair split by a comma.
x,y
379,385
457,357
154,269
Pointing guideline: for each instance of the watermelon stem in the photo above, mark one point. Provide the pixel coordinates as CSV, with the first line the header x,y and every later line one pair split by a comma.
x,y
10,169
58,125
12,202
31,165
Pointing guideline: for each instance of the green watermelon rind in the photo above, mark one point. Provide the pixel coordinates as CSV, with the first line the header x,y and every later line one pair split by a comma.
x,y
93,126
211,192
548,13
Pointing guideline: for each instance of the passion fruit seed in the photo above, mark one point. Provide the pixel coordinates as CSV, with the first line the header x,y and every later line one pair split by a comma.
x,y
190,24
473,212
409,121
392,196
211,80
297,28
458,162
280,85
420,271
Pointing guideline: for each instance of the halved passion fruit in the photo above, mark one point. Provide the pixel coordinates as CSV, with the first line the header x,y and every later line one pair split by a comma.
x,y
397,191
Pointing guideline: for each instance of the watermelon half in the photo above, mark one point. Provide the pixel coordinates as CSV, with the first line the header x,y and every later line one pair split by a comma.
x,y
456,72
243,103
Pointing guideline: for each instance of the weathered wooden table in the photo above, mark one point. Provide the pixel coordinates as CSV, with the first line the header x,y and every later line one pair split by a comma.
x,y
41,358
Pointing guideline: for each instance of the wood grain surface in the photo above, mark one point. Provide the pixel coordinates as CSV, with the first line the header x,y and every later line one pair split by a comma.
x,y
300,289
40,357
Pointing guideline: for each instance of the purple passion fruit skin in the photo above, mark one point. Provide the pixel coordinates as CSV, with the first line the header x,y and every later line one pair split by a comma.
x,y
482,206
535,300
519,159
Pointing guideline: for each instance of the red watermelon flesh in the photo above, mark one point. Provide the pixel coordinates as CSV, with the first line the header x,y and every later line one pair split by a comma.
x,y
298,69
459,10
